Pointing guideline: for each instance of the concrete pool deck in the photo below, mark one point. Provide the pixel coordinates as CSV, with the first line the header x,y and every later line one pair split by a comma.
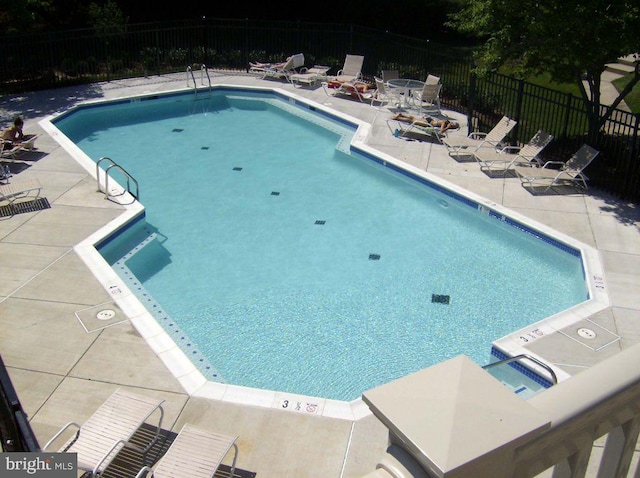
x,y
64,362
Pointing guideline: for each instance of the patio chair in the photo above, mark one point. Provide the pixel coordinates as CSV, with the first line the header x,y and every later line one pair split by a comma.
x,y
13,191
432,80
383,94
390,75
503,159
352,69
428,100
467,145
279,70
570,172
195,453
109,429
309,76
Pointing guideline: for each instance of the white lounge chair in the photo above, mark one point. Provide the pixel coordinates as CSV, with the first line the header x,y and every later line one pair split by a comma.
x,y
279,70
465,146
12,150
570,172
352,69
109,429
19,189
503,159
406,125
195,453
309,76
352,89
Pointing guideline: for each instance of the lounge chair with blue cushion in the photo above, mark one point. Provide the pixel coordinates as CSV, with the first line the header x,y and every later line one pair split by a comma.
x,y
569,173
195,453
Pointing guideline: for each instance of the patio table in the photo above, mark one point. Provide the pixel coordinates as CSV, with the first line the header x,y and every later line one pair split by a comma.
x,y
405,86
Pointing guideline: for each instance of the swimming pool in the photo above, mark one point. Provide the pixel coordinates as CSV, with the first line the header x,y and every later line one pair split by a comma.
x,y
385,245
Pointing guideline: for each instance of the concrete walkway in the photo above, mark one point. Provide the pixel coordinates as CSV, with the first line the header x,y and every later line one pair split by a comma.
x,y
64,363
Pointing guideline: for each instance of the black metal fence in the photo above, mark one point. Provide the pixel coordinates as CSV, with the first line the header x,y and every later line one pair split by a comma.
x,y
52,59
15,431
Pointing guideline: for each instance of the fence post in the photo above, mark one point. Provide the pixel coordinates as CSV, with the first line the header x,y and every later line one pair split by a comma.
x,y
565,128
518,112
630,187
471,96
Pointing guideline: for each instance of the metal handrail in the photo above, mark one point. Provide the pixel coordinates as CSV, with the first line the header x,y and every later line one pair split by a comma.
x,y
515,358
123,171
193,77
203,68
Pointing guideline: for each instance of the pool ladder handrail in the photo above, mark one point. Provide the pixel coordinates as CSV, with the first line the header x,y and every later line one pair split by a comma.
x,y
515,358
193,77
113,164
204,70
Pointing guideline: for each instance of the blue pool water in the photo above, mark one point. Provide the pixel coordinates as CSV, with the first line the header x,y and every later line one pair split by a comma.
x,y
279,261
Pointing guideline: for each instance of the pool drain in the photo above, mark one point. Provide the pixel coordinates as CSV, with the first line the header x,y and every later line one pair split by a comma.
x,y
586,333
106,314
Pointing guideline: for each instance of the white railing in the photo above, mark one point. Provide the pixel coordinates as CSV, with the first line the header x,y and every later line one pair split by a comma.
x,y
603,400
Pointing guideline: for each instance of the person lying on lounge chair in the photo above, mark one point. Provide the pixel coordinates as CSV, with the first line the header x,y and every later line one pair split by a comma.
x,y
276,66
443,124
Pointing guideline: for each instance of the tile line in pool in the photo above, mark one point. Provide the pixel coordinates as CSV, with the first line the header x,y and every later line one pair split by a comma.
x,y
200,361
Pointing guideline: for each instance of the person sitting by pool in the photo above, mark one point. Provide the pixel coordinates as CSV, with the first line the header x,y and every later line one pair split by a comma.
x,y
443,124
13,136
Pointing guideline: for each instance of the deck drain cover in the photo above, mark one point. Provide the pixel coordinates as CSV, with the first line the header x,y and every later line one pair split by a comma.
x,y
440,299
106,314
586,333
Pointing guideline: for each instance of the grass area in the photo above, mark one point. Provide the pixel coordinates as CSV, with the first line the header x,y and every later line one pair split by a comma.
x,y
546,81
633,98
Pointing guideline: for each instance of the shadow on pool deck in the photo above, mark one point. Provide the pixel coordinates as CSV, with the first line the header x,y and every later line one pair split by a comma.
x,y
63,370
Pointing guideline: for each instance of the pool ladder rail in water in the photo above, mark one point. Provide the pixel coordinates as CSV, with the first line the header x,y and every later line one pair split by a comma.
x,y
520,388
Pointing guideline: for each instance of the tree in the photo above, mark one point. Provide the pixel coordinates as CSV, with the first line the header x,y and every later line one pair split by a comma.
x,y
572,40
19,16
108,18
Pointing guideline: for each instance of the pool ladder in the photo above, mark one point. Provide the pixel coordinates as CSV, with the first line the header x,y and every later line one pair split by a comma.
x,y
111,165
203,71
516,358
